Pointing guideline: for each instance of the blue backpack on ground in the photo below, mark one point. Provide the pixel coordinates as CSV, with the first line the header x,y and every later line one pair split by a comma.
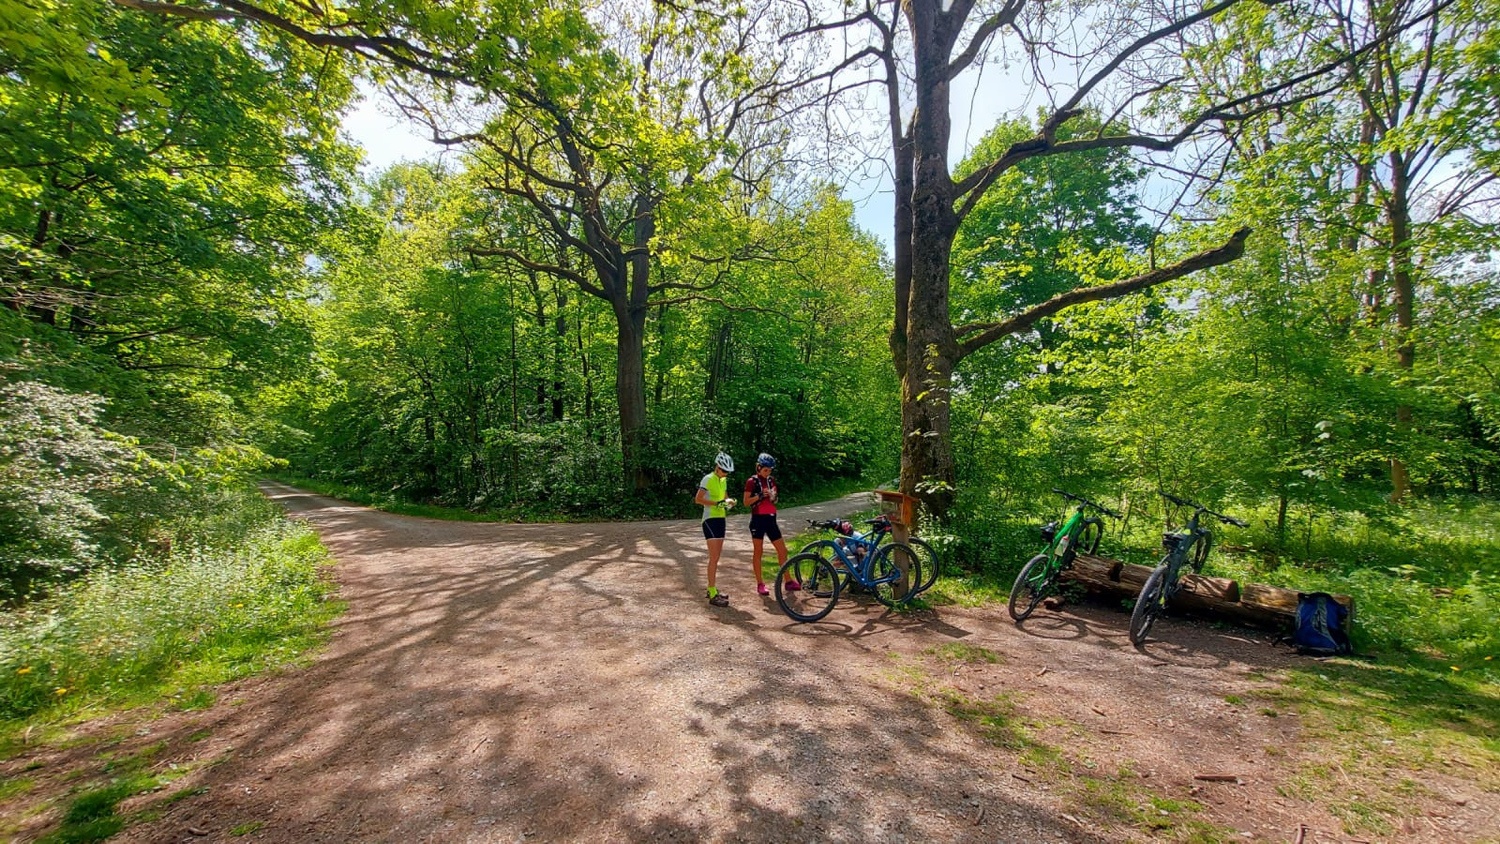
x,y
1322,625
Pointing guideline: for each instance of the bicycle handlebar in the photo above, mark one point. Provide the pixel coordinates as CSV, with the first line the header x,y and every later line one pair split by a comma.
x,y
836,523
1228,520
1080,499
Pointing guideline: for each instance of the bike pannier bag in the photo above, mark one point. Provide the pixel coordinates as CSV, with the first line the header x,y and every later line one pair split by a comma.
x,y
1322,625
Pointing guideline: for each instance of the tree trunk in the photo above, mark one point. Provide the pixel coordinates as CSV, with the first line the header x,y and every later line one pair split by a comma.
x,y
559,351
583,360
630,304
717,362
1403,292
927,469
1282,501
902,249
630,391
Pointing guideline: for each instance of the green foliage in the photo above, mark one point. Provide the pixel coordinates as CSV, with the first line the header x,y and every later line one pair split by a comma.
x,y
161,182
1423,578
60,471
491,389
244,595
1046,226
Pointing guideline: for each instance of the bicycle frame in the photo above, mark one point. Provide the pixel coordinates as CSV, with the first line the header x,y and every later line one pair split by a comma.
x,y
1064,544
856,553
1066,538
1190,537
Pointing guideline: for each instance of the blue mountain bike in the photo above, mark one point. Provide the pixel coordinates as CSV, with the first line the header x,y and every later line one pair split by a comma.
x,y
889,571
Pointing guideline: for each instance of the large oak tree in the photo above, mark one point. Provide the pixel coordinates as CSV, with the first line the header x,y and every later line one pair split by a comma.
x,y
1125,62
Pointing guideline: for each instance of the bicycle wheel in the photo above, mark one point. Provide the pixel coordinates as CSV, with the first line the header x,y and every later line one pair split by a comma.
x,y
927,556
1032,585
1200,552
1088,538
825,550
1152,602
894,573
819,587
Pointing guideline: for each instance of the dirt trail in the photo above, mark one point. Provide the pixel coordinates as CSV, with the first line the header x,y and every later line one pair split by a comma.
x,y
496,682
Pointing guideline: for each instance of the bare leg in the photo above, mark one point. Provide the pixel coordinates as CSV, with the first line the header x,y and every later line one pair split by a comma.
x,y
757,551
715,548
780,546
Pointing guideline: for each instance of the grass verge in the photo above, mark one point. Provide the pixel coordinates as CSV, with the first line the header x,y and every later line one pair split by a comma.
x,y
393,503
229,604
1379,737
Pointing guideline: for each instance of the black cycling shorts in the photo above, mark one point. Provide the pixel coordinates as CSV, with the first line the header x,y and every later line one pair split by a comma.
x,y
764,525
713,528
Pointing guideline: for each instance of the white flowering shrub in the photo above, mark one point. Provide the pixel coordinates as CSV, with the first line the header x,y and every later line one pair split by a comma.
x,y
206,614
59,471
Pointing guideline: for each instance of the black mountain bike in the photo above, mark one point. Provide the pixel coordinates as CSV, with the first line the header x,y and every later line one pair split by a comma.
x,y
1185,548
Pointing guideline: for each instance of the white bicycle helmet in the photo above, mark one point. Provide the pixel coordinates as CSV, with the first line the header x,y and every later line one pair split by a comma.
x,y
725,462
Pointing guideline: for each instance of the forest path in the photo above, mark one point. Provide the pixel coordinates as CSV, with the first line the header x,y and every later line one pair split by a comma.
x,y
558,682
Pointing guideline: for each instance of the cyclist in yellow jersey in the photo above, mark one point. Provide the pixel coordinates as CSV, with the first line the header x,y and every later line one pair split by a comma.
x,y
713,495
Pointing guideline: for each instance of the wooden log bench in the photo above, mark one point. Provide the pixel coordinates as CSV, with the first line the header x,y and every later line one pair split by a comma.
x,y
1220,598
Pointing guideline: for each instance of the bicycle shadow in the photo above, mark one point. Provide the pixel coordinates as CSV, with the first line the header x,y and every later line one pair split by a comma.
x,y
874,618
1173,641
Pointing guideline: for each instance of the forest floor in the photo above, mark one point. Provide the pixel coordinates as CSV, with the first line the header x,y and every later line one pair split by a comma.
x,y
497,682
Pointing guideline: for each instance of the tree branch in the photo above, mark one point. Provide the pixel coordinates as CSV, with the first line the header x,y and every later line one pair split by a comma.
x,y
398,51
542,267
1004,17
987,333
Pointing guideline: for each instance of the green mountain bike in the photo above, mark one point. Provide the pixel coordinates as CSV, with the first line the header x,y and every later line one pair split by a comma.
x,y
1080,532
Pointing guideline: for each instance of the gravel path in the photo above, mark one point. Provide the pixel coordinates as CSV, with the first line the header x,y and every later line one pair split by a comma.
x,y
496,682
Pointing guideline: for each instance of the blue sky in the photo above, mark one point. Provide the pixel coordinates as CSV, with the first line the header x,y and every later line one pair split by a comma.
x,y
979,100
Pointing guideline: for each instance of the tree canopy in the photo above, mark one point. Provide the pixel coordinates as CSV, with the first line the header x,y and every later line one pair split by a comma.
x,y
1281,214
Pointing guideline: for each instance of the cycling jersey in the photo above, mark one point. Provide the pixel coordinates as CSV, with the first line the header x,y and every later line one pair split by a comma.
x,y
717,489
766,488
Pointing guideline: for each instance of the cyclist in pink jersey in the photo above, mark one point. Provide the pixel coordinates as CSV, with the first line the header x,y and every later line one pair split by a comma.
x,y
760,497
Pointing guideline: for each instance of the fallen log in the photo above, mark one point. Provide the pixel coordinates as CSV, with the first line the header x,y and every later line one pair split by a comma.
x,y
1216,598
1199,592
1133,577
1089,567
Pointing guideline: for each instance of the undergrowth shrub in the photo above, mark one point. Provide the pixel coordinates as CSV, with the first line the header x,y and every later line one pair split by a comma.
x,y
62,477
243,593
